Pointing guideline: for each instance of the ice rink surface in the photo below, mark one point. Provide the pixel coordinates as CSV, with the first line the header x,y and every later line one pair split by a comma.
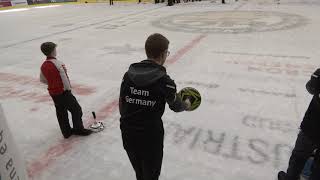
x,y
249,59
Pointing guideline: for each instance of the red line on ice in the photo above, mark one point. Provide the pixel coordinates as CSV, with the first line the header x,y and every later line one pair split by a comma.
x,y
63,146
14,83
37,166
185,49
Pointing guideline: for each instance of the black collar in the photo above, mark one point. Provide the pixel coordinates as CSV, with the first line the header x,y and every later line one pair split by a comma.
x,y
49,57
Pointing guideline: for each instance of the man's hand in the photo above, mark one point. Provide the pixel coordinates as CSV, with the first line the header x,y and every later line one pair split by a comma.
x,y
188,104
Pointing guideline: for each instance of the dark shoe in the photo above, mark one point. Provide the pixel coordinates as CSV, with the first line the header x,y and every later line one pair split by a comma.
x,y
82,132
66,136
282,175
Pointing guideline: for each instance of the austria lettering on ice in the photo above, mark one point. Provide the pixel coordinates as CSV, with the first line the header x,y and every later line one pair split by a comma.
x,y
137,101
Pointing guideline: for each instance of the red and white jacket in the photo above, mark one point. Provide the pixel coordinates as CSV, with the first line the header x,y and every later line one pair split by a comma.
x,y
54,74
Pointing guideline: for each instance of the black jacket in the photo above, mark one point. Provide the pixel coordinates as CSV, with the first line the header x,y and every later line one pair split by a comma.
x,y
311,121
145,89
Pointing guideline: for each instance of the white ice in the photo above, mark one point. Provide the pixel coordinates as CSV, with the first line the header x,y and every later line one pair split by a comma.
x,y
252,86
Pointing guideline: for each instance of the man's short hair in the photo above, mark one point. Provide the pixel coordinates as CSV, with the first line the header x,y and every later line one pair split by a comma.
x,y
155,45
47,48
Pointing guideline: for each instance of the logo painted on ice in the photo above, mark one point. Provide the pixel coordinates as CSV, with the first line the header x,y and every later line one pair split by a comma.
x,y
230,22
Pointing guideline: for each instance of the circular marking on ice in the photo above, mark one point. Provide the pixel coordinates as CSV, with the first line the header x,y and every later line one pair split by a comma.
x,y
230,22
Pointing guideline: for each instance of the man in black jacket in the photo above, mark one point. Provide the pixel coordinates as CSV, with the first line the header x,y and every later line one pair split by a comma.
x,y
145,90
309,137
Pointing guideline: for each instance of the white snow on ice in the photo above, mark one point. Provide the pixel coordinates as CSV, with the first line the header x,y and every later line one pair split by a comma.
x,y
250,60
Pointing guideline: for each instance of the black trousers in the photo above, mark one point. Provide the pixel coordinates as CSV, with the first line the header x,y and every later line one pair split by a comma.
x,y
147,164
67,102
303,149
145,152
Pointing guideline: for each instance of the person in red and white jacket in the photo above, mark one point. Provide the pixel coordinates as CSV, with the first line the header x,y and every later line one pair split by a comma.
x,y
54,74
